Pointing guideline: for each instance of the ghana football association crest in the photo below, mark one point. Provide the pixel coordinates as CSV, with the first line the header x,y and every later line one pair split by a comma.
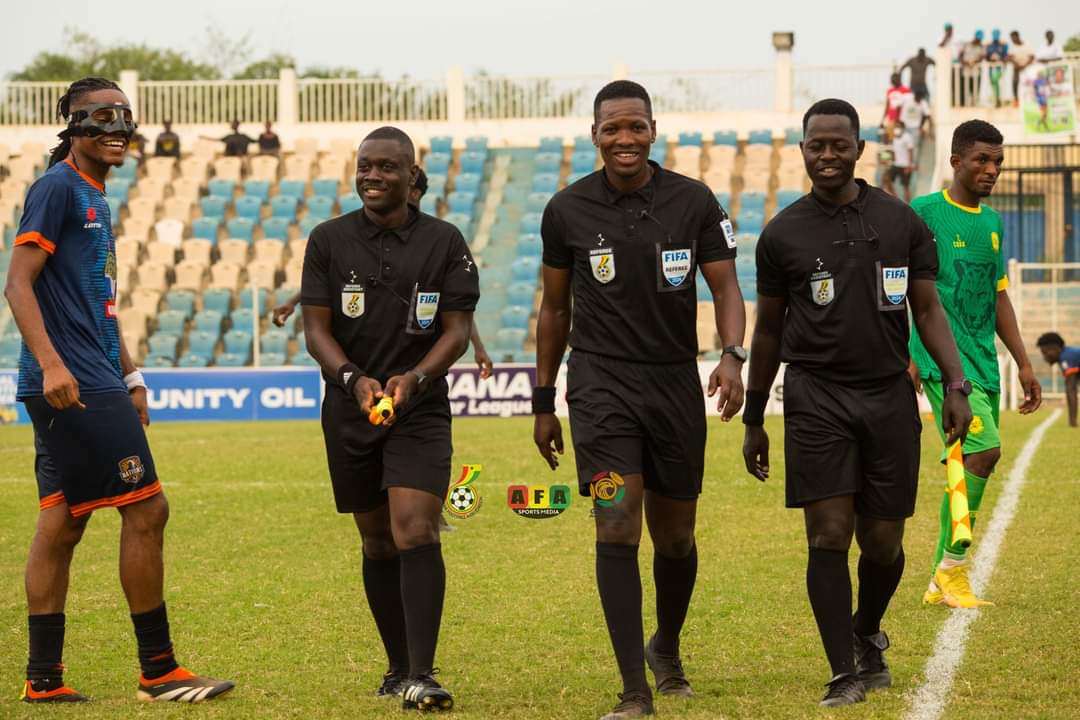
x,y
463,498
602,261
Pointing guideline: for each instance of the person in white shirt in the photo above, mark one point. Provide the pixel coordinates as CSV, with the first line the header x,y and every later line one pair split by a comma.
x,y
1051,50
915,116
1021,56
903,163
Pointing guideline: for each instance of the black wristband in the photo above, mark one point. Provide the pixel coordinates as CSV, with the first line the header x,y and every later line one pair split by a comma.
x,y
754,409
543,400
348,375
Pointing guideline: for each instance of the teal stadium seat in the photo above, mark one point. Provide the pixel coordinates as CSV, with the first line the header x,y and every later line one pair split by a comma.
x,y
128,170
530,246
284,206
308,224
249,206
213,206
551,144
583,142
548,162
349,202
461,202
574,177
521,293
202,343
258,189
218,300
792,136
114,210
119,188
530,224
537,201
159,361
429,204
274,341
10,345
515,316
752,200
760,136
467,182
171,322
473,162
182,301
238,342
164,344
509,339
303,359
227,359
242,318
291,188
442,144
462,222
583,162
525,269
246,300
193,360
545,183
241,228
9,361
724,198
272,359
436,184
690,138
476,143
437,164
276,228
320,206
325,187
221,188
206,228
725,137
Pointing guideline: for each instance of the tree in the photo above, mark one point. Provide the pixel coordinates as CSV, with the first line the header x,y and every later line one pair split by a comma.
x,y
268,68
225,52
1072,45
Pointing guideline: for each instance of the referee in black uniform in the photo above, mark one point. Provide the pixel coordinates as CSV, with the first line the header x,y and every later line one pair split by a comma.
x,y
836,273
388,294
626,242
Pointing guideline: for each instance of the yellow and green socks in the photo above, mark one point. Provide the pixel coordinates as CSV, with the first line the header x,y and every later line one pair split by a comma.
x,y
945,549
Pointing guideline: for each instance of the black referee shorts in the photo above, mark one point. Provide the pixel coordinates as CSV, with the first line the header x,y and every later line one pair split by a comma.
x,y
629,417
840,440
367,459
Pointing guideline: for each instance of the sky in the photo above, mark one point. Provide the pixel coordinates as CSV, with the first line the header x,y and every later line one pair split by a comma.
x,y
526,37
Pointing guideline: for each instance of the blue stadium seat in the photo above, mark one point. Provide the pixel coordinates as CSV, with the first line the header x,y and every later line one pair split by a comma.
x,y
437,164
209,321
274,341
248,206
320,206
272,359
284,294
548,162
206,228
325,187
751,201
725,137
690,138
10,345
240,228
786,197
217,299
750,221
429,204
530,224
246,300
284,206
574,177
468,182
194,360
461,202
181,301
291,188
658,152
537,201
308,224
442,144
583,142
242,318
118,187
221,188
545,182
870,134
164,344
760,136
258,189
303,359
462,222
704,294
525,268
509,339
171,322
213,206
238,342
476,143
128,170
530,245
515,316
436,184
551,144
473,162
792,136
521,294
724,199
161,361
349,202
227,359
9,361
114,210
583,161
202,342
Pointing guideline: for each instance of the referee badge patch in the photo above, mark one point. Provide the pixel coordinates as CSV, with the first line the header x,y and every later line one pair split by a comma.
x,y
729,233
676,265
352,301
427,305
602,260
894,282
822,288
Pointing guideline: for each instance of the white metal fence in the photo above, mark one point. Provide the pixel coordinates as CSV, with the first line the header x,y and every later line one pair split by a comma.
x,y
710,90
30,103
370,100
1046,297
208,101
858,84
491,97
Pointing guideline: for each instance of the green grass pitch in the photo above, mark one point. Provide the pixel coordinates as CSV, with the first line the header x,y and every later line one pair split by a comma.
x,y
263,587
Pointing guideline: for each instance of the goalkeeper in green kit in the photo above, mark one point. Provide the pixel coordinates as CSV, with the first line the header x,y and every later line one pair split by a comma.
x,y
973,287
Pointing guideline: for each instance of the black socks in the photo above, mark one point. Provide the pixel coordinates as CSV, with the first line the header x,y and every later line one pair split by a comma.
x,y
877,583
45,664
674,578
828,584
382,585
619,581
155,646
423,585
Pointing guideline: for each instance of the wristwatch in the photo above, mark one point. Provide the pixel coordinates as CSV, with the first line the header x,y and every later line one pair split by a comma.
x,y
420,377
964,386
738,351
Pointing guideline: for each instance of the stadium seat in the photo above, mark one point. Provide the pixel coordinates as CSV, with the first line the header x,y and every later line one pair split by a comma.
x,y
272,359
583,142
264,168
521,293
537,201
10,345
143,209
530,224
473,162
476,143
221,188
725,137
241,228
276,228
128,170
257,189
242,318
786,197
515,316
193,360
530,246
462,222
574,177
274,341
690,138
290,189
270,251
196,250
549,162
161,253
751,201
9,361
225,274
792,136
298,168
238,342
509,339
114,210
525,269
284,206
303,359
468,182
551,144
203,342
161,361
442,144
146,300
437,163
429,204
461,202
724,199
164,344
750,221
325,187
349,202
246,299
261,274
207,228
545,183
583,162
171,322
760,137
309,223
235,250
218,299
228,359
870,134
228,168
181,301
208,320
214,206
659,150
119,188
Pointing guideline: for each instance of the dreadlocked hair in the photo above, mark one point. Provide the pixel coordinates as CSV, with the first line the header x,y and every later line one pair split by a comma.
x,y
63,110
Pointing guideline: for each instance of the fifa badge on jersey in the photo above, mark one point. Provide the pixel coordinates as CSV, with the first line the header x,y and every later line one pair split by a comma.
x,y
894,281
131,470
602,260
427,305
822,286
729,233
676,265
352,300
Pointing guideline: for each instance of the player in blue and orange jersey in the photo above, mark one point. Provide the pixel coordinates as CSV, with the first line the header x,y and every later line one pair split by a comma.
x,y
1067,357
87,401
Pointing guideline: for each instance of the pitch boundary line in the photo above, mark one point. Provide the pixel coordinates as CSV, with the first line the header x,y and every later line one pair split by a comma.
x,y
932,696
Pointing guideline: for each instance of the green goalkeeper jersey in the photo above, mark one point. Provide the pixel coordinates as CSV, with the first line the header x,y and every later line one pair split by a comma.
x,y
971,273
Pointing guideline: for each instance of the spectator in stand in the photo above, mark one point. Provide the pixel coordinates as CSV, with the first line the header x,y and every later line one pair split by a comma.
x,y
269,142
894,99
236,143
947,40
1051,51
918,66
971,59
903,162
1021,56
915,117
168,142
137,147
996,53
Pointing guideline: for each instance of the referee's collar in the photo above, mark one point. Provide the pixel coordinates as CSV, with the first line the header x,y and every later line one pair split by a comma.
x,y
858,203
370,229
645,192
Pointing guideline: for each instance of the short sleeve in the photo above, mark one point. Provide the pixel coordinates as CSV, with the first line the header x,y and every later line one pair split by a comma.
x,y
44,213
771,281
716,239
556,252
314,282
461,284
1002,274
922,252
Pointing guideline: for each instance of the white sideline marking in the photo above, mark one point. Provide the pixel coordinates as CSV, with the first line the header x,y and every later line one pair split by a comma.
x,y
930,698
